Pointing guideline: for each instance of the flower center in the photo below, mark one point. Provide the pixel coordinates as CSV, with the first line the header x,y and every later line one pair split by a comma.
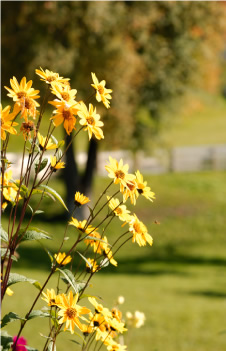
x,y
100,89
71,312
51,78
65,96
137,227
131,186
140,191
118,211
120,174
66,114
90,120
21,94
28,103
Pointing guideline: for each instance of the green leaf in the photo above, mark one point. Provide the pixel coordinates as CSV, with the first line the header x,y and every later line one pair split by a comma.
x,y
104,262
29,348
42,165
55,194
6,340
85,259
10,317
51,346
61,143
4,235
33,233
38,212
38,313
69,278
3,252
17,278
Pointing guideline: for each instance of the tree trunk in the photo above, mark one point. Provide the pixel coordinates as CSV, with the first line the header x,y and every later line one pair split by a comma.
x,y
75,181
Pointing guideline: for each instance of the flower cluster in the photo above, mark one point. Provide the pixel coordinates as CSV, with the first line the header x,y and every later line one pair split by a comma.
x,y
67,310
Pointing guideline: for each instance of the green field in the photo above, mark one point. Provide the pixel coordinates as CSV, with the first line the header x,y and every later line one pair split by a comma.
x,y
179,283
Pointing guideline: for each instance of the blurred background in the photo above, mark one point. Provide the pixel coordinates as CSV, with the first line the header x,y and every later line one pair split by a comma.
x,y
166,64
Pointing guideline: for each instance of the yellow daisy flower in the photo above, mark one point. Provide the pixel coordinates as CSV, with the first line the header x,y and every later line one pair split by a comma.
x,y
81,199
99,308
50,297
70,312
9,188
102,94
107,252
130,191
7,123
26,128
116,314
119,210
90,119
49,76
119,172
142,187
94,266
116,347
22,90
61,257
96,244
81,225
55,165
45,145
28,107
64,114
140,233
64,93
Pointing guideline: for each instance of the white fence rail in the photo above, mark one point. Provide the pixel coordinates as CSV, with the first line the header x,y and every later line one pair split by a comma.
x,y
179,159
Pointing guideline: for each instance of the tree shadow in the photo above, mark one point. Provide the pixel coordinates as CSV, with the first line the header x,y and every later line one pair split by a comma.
x,y
168,262
208,293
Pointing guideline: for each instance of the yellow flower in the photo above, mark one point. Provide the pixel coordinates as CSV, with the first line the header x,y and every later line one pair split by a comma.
x,y
136,320
142,187
70,312
81,225
116,347
61,257
116,325
99,308
90,119
96,244
119,172
50,297
119,210
22,90
43,144
140,233
27,128
28,107
102,94
65,114
107,252
94,266
130,191
116,313
9,292
9,188
81,199
7,123
64,93
55,165
49,77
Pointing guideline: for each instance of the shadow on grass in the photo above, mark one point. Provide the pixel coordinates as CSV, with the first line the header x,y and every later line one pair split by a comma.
x,y
127,265
209,293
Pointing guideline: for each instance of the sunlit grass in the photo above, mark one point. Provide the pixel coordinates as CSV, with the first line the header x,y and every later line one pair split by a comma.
x,y
179,283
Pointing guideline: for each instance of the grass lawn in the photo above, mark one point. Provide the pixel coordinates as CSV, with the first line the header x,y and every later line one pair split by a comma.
x,y
179,283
